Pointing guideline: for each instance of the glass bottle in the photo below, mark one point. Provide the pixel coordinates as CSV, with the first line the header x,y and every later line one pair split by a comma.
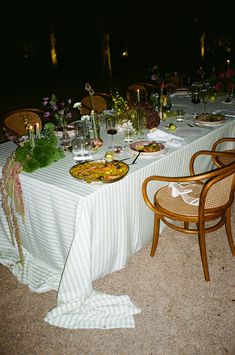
x,y
96,142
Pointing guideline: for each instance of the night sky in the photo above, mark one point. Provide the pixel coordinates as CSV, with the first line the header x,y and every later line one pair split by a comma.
x,y
153,32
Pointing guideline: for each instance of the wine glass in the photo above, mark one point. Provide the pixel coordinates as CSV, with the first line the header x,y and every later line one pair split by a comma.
x,y
111,128
204,96
195,98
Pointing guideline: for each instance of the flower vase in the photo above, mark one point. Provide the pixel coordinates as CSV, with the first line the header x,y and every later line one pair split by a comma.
x,y
96,142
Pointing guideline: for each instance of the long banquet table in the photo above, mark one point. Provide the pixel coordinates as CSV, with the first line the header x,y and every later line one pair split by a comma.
x,y
75,233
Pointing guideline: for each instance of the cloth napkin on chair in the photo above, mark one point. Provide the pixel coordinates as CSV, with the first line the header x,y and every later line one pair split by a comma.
x,y
170,140
178,189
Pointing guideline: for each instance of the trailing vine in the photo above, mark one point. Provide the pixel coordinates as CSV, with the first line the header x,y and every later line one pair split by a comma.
x,y
12,200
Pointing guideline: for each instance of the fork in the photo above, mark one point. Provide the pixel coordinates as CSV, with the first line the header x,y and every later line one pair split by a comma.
x,y
137,156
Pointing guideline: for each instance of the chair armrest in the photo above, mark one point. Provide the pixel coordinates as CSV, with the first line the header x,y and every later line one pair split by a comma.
x,y
213,154
222,140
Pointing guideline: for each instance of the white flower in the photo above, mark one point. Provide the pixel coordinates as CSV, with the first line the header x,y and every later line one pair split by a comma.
x,y
77,105
85,118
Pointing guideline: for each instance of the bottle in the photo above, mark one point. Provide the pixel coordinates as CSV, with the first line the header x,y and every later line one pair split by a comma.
x,y
96,142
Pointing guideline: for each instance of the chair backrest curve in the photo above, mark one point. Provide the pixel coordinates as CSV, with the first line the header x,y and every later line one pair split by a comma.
x,y
218,191
15,121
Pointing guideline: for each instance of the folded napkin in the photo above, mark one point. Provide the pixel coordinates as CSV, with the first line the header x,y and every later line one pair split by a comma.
x,y
178,189
170,140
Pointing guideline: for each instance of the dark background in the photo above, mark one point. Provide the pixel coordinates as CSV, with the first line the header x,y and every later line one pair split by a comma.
x,y
153,32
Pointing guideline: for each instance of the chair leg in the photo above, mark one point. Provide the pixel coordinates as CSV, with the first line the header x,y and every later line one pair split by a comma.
x,y
202,246
229,230
155,234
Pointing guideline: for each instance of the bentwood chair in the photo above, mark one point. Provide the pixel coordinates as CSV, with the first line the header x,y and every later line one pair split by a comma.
x,y
136,93
218,146
96,102
215,193
14,122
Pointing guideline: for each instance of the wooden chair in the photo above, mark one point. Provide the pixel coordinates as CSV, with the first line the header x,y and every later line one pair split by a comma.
x,y
136,93
99,103
217,146
14,122
215,193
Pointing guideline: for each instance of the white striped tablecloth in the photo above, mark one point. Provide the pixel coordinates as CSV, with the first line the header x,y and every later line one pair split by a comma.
x,y
75,233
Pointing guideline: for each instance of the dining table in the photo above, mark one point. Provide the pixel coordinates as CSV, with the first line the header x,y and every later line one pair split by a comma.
x,y
76,232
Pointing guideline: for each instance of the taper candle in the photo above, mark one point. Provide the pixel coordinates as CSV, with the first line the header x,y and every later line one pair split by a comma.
x,y
37,130
31,136
138,96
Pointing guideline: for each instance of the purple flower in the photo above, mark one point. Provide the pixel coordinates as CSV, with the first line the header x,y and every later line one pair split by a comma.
x,y
59,111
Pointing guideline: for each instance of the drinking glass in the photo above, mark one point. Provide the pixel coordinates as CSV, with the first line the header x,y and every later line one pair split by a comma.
x,y
204,95
195,97
81,149
111,128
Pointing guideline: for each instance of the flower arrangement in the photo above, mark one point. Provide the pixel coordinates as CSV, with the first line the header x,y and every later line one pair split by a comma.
x,y
130,114
96,142
122,109
154,74
224,82
151,116
42,153
58,111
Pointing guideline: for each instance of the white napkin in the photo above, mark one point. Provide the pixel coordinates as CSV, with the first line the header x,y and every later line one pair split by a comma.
x,y
178,189
169,139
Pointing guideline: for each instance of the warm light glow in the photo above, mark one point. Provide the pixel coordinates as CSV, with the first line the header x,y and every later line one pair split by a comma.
x,y
202,40
228,63
138,96
125,54
53,48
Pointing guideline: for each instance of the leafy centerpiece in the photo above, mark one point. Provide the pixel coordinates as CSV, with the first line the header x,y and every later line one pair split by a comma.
x,y
41,153
129,114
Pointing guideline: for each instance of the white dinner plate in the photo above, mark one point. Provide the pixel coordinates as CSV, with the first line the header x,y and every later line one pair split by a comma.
x,y
209,120
133,150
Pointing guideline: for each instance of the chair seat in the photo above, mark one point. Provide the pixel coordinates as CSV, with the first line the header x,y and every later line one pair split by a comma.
x,y
177,205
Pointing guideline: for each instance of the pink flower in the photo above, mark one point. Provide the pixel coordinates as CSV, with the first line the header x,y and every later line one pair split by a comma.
x,y
219,86
230,73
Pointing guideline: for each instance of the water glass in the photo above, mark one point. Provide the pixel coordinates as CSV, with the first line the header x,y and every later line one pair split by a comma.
x,y
81,149
128,134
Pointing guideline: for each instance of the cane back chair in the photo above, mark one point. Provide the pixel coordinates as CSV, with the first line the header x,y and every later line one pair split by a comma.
x,y
215,193
14,122
218,145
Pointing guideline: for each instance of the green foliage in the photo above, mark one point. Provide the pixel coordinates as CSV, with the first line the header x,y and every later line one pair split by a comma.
x,y
44,153
30,165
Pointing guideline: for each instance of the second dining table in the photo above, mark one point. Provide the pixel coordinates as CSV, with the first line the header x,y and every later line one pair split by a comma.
x,y
75,232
